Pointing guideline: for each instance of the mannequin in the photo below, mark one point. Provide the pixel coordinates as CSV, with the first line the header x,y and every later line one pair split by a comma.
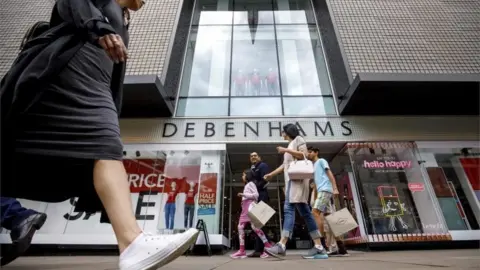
x,y
255,83
190,204
240,83
272,82
170,207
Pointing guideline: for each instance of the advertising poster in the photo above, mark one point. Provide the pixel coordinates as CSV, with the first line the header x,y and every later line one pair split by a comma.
x,y
207,198
384,181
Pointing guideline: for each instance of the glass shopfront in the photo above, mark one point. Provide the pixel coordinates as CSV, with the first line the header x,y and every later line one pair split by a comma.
x,y
172,187
267,52
453,169
397,202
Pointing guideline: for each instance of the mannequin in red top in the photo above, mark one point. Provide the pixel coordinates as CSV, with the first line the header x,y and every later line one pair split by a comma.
x,y
190,204
255,83
170,207
239,83
272,82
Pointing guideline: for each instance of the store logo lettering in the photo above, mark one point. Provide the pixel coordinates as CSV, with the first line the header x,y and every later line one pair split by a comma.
x,y
249,129
380,164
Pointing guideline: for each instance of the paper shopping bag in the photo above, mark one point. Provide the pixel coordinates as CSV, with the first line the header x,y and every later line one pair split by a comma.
x,y
259,214
341,222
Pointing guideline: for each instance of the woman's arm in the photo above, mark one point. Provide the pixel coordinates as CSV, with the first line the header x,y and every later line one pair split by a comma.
x,y
275,172
84,15
301,150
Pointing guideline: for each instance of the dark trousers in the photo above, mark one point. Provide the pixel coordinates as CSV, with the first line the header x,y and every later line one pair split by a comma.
x,y
188,217
13,213
259,246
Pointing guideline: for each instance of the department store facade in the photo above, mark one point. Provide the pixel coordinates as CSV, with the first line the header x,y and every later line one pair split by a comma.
x,y
231,73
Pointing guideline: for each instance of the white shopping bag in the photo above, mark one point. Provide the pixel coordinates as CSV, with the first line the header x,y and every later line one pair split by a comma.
x,y
341,222
259,214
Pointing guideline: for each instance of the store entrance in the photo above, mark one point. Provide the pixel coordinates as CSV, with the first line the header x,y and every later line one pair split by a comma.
x,y
238,157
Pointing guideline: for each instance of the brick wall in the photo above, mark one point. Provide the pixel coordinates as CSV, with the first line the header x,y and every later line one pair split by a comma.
x,y
409,36
150,32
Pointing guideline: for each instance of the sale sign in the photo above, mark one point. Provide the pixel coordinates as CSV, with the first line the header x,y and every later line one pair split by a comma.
x,y
415,187
207,195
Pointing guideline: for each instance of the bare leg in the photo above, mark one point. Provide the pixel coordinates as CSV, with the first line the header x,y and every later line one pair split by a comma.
x,y
318,216
110,180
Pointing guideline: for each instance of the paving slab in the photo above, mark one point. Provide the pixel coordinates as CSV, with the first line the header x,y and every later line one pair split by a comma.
x,y
392,260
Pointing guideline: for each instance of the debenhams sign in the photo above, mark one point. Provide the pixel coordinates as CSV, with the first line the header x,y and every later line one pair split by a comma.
x,y
231,130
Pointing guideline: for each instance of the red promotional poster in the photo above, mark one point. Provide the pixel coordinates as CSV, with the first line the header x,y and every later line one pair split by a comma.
x,y
471,166
145,175
207,198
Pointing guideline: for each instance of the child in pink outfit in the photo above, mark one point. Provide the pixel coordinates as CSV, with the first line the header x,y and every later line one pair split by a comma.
x,y
249,195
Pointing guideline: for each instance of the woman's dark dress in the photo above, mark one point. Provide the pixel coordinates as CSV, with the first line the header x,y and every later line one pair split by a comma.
x,y
74,120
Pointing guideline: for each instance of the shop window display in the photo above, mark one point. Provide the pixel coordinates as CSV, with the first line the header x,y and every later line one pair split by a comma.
x,y
242,49
454,175
392,190
170,192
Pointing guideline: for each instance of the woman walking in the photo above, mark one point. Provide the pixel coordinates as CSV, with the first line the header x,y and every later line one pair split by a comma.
x,y
60,105
249,196
296,196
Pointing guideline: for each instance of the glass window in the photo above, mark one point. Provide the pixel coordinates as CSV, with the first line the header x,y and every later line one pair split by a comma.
x,y
255,106
254,61
294,12
207,64
202,107
393,190
213,12
302,62
454,174
253,12
308,106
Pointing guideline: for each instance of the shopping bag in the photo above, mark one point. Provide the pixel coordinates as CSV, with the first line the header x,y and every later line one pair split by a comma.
x,y
300,169
341,222
259,214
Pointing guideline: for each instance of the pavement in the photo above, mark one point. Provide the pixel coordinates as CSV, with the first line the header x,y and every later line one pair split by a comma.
x,y
465,259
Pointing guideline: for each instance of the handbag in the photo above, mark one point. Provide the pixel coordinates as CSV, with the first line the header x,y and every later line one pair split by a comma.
x,y
341,222
260,213
300,169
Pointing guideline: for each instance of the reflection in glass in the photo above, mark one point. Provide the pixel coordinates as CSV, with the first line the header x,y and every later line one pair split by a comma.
x,y
253,13
302,62
454,178
304,106
255,106
207,63
202,107
254,62
294,12
212,12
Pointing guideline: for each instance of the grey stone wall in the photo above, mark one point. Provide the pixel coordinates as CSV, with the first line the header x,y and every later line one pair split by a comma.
x,y
409,36
150,32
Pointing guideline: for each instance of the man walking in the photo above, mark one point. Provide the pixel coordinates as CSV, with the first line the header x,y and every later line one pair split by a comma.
x,y
22,223
259,170
325,189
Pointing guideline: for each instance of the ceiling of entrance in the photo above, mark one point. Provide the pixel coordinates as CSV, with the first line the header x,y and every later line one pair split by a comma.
x,y
238,154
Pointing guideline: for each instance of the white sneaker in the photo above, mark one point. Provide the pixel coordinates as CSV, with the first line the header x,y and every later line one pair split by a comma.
x,y
148,252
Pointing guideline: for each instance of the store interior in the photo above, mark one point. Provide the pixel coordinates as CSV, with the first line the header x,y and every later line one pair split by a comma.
x,y
238,159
